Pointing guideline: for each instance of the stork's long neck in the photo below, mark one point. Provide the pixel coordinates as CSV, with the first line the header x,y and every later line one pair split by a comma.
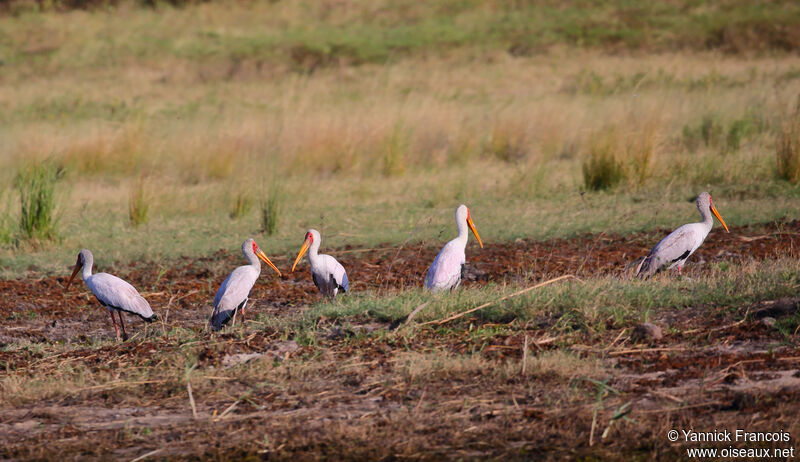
x,y
463,231
313,251
253,260
88,262
708,219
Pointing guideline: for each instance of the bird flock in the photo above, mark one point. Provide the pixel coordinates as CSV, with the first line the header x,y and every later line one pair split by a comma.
x,y
330,277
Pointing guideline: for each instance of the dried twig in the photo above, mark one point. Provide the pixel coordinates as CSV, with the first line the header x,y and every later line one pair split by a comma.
x,y
515,294
226,411
416,408
147,454
118,384
414,313
191,399
525,355
643,350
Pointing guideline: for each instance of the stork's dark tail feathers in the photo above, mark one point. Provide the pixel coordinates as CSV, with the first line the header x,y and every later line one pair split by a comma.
x,y
152,318
220,319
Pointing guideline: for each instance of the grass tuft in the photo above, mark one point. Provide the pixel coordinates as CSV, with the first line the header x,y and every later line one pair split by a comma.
x,y
788,148
138,206
508,142
271,209
640,150
6,222
36,184
394,150
241,206
602,170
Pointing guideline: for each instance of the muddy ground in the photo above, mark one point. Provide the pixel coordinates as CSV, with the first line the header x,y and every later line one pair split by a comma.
x,y
708,371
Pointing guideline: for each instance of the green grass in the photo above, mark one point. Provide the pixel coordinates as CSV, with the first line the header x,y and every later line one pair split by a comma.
x,y
378,118
587,306
350,214
36,184
305,36
271,209
138,205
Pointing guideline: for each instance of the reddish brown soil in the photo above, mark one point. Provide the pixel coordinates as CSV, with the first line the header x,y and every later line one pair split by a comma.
x,y
187,287
711,370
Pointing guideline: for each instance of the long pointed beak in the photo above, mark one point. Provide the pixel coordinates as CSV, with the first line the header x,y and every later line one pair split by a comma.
x,y
719,217
474,231
75,270
261,255
303,250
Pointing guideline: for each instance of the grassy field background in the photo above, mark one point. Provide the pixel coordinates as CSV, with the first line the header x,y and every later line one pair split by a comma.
x,y
373,120
578,132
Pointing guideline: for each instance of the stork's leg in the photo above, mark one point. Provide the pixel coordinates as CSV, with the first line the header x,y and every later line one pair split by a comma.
x,y
244,304
114,321
122,323
233,323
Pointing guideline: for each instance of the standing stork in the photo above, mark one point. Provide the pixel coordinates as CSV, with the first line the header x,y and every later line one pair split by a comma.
x,y
680,244
447,269
234,292
328,274
112,292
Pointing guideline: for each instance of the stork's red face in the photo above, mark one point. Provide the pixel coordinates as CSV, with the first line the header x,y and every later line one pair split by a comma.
x,y
263,257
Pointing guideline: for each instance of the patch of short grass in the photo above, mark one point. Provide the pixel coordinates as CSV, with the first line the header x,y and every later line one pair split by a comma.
x,y
579,305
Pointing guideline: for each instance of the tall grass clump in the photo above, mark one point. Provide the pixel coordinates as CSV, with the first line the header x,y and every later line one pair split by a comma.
x,y
271,208
788,147
241,206
640,150
36,184
602,170
394,150
6,223
138,206
508,143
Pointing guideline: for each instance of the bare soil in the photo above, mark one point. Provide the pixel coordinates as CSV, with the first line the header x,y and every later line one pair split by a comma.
x,y
710,370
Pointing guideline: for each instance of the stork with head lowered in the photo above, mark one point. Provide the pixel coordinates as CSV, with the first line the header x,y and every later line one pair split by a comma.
x,y
115,294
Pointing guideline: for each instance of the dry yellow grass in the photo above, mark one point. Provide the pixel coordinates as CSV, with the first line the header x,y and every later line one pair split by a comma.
x,y
380,151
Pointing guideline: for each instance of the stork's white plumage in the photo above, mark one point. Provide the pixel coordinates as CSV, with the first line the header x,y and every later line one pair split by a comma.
x,y
328,274
234,292
112,292
446,270
680,244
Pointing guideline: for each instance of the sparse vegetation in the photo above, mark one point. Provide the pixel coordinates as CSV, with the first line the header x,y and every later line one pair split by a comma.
x,y
7,225
788,147
138,205
271,208
241,205
36,184
602,170
372,120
